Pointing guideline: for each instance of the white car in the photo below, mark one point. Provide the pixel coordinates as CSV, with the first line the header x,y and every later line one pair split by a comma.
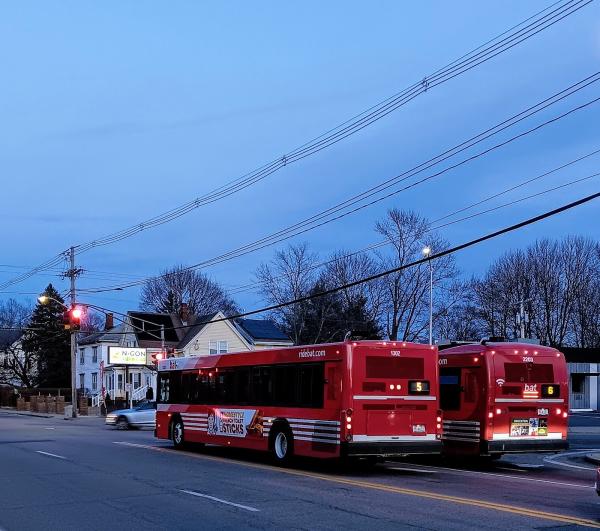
x,y
140,416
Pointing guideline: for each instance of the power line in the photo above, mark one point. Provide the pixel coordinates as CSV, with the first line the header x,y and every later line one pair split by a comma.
x,y
384,243
354,125
376,276
347,207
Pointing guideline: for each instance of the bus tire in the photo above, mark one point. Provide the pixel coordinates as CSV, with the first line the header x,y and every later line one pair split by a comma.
x,y
177,434
281,444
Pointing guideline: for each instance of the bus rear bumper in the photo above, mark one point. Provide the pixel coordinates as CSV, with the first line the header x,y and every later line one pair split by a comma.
x,y
523,446
390,448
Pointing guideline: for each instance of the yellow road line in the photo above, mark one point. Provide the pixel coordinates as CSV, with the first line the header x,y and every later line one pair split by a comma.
x,y
513,509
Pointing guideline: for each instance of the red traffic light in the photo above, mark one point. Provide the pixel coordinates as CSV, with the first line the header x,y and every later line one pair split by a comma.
x,y
157,357
76,314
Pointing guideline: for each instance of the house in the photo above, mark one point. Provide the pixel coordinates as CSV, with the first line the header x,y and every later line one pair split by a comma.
x,y
17,369
212,334
96,373
157,333
92,371
583,366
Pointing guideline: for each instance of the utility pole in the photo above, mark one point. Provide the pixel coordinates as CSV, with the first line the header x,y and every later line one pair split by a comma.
x,y
427,253
522,317
72,273
430,303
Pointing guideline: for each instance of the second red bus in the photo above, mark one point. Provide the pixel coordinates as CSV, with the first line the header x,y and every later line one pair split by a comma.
x,y
503,397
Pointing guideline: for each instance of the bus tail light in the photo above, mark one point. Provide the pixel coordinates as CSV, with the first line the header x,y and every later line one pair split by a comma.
x,y
558,411
348,418
498,411
565,414
491,415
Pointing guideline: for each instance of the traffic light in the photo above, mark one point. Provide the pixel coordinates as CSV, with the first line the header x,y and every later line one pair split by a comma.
x,y
67,320
72,318
157,357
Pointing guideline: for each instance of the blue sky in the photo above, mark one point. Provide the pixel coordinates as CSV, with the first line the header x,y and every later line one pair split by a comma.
x,y
113,112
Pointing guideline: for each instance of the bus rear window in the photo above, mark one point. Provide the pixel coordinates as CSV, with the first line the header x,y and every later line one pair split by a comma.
x,y
529,372
380,367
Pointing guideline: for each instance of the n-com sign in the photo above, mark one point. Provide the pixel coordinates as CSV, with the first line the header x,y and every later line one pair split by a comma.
x,y
127,356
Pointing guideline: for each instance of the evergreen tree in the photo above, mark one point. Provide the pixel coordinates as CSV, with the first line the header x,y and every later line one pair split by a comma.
x,y
49,342
330,317
357,318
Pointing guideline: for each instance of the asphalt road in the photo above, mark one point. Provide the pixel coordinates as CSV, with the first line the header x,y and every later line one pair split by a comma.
x,y
79,474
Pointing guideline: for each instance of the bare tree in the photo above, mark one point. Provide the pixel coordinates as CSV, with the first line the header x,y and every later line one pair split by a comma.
x,y
499,293
558,284
13,314
178,285
17,367
290,275
459,320
92,322
343,268
406,307
564,274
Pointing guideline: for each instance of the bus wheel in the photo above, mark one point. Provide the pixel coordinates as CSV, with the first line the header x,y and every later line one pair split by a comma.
x,y
282,445
177,433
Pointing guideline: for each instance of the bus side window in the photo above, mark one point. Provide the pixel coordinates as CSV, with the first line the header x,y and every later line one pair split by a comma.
x,y
450,389
331,384
471,387
242,385
311,385
163,388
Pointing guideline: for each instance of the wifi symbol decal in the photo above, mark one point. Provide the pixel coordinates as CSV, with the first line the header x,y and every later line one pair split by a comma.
x,y
500,381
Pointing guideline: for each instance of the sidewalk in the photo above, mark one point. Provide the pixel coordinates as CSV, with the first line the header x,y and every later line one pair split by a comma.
x,y
13,411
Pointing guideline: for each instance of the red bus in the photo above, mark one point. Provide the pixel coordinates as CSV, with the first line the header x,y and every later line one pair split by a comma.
x,y
361,399
503,397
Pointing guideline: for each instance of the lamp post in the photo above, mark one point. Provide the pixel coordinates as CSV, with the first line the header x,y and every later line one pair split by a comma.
x,y
427,253
44,299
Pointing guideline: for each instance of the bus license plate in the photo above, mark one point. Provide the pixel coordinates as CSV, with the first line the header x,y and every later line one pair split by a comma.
x,y
542,412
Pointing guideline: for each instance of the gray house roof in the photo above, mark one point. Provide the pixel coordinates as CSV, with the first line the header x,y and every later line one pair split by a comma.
x,y
252,330
261,330
105,336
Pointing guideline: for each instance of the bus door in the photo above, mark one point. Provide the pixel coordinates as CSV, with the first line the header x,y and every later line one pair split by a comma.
x,y
462,400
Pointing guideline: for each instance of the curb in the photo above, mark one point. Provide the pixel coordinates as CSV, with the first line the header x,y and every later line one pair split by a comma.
x,y
593,458
40,415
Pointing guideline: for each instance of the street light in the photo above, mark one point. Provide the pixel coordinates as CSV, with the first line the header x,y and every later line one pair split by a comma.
x,y
75,314
427,253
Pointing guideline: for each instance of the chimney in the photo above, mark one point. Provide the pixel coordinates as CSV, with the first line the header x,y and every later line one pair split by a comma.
x,y
184,313
109,323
